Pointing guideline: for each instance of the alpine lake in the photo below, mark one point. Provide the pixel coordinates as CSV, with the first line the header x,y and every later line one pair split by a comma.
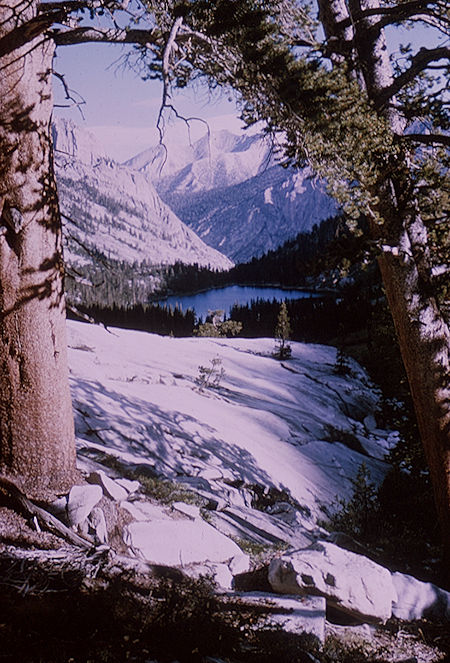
x,y
223,299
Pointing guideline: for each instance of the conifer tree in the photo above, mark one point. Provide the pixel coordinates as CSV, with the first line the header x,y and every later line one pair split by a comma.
x,y
283,333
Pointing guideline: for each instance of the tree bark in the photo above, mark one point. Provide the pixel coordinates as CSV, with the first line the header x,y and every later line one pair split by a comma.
x,y
36,422
424,340
422,329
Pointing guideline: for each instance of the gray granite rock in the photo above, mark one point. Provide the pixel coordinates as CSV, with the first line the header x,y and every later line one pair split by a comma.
x,y
179,542
110,488
97,525
349,582
417,600
81,501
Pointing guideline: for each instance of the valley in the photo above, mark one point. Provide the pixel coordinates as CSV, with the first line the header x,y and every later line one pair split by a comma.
x,y
224,354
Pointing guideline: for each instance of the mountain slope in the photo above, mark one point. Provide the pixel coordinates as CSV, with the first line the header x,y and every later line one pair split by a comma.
x,y
231,191
115,211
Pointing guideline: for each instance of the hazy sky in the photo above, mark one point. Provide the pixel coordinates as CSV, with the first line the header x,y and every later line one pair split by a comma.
x,y
119,107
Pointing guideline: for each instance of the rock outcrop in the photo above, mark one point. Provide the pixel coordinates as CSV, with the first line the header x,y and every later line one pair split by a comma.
x,y
349,582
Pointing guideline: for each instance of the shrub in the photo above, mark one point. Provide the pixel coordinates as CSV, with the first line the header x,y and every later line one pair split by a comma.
x,y
210,376
359,516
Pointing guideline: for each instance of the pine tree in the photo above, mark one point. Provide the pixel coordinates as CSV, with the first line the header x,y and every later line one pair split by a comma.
x,y
283,349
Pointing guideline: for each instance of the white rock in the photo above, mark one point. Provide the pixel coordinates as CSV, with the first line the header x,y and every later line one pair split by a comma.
x,y
416,599
129,485
190,510
145,511
305,614
82,500
177,543
110,487
239,564
350,582
370,422
223,576
97,523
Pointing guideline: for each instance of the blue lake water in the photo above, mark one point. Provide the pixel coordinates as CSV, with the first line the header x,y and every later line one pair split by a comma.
x,y
225,298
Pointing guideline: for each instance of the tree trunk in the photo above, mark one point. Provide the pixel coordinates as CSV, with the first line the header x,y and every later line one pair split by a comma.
x,y
424,340
36,422
422,329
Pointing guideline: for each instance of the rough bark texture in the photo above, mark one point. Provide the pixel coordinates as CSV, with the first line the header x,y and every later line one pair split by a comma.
x,y
36,422
422,329
424,342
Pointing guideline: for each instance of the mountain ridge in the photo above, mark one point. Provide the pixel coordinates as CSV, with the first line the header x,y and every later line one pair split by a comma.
x,y
116,211
234,193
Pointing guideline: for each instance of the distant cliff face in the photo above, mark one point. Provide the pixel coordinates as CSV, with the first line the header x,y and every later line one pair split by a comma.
x,y
231,190
116,211
70,141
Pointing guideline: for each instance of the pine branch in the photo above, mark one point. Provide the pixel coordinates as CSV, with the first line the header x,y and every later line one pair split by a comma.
x,y
26,32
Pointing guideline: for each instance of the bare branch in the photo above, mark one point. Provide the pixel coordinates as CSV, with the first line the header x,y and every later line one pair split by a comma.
x,y
429,139
165,105
419,62
82,35
402,12
170,45
48,520
68,94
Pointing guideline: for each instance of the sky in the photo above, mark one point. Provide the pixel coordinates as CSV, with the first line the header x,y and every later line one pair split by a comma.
x,y
120,108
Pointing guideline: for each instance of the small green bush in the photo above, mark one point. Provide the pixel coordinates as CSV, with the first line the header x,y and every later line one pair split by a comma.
x,y
359,517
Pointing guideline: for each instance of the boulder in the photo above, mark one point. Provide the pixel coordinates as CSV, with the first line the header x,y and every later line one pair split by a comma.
x,y
81,501
111,488
130,485
179,542
417,600
189,510
239,564
349,582
97,525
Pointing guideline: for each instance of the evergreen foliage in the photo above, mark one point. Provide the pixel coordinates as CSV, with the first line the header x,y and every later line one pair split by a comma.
x,y
283,349
154,318
228,328
397,521
358,516
107,282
